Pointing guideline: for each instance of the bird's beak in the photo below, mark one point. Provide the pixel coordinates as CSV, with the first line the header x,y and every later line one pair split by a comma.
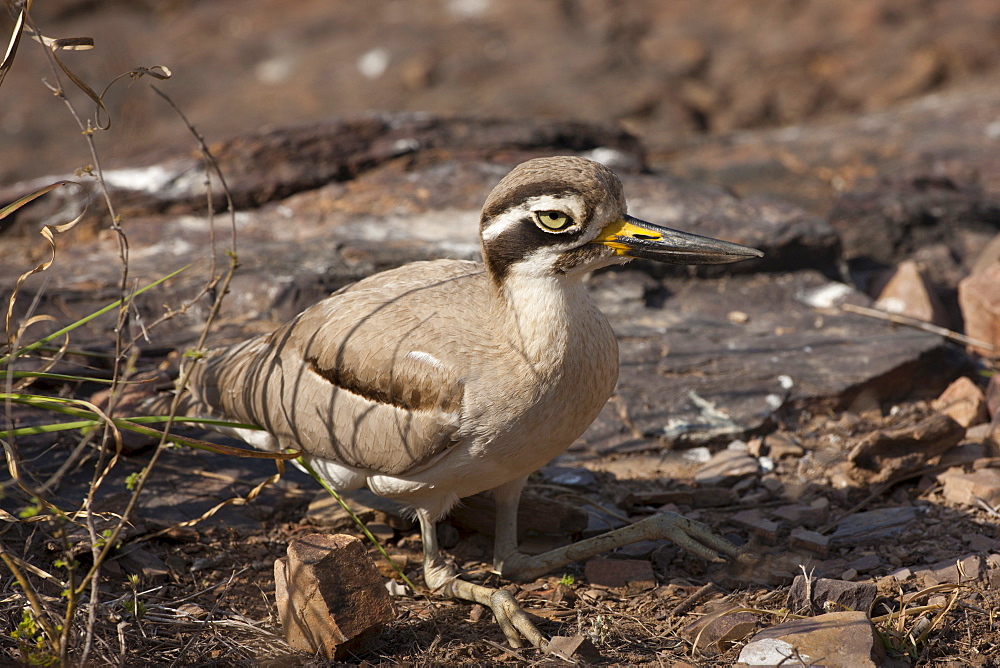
x,y
636,238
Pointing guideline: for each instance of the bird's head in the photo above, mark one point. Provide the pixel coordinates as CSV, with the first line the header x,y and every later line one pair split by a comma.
x,y
567,215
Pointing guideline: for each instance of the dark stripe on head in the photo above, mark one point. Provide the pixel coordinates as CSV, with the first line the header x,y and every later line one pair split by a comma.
x,y
391,391
516,243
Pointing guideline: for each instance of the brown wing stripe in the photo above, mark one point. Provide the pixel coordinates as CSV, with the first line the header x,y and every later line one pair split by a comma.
x,y
392,392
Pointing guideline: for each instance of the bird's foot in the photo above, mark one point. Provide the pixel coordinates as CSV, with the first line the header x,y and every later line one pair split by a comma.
x,y
695,537
513,620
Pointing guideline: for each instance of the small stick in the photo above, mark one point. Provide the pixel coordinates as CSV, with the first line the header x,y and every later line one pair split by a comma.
x,y
917,324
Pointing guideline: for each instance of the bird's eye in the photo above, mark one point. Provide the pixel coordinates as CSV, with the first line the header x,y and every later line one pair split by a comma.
x,y
553,220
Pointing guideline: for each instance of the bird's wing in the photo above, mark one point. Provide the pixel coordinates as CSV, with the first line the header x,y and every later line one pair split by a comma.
x,y
363,377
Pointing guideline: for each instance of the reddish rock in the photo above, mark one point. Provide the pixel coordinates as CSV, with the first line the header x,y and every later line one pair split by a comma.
x,y
906,292
963,402
989,255
993,396
979,297
964,488
632,573
330,598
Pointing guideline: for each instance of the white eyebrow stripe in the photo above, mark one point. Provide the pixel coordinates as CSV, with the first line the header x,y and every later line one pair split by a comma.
x,y
497,227
425,357
512,217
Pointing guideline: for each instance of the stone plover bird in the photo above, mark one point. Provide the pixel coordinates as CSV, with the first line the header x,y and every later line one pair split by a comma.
x,y
438,380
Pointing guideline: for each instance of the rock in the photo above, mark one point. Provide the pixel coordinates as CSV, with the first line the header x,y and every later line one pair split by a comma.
x,y
993,395
573,648
964,488
963,402
977,542
907,293
830,595
814,542
979,297
800,515
330,598
535,514
892,454
783,444
631,573
989,255
152,568
754,521
727,467
718,630
874,525
833,640
951,571
715,380
868,562
967,453
569,476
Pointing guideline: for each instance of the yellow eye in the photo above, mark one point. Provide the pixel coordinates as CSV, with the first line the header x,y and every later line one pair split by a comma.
x,y
553,220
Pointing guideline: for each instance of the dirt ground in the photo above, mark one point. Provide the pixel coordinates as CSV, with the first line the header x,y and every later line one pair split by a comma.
x,y
207,591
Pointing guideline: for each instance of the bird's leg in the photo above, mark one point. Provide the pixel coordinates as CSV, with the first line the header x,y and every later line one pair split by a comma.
x,y
694,537
442,579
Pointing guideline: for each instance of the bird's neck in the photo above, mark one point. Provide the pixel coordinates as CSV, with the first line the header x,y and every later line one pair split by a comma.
x,y
544,314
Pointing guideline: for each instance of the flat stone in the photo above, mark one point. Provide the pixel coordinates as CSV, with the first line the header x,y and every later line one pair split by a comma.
x,y
754,521
699,378
717,631
330,598
812,541
727,467
632,573
977,542
963,401
829,594
867,563
569,476
801,515
951,571
873,525
833,640
964,488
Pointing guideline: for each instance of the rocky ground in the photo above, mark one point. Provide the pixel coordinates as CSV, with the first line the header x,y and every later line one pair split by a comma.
x,y
766,400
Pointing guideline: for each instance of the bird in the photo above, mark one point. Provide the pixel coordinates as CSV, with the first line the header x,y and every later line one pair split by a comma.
x,y
442,379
